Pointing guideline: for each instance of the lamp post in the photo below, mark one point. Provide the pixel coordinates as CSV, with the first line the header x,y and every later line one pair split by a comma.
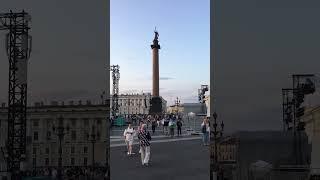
x,y
177,104
216,171
60,131
93,138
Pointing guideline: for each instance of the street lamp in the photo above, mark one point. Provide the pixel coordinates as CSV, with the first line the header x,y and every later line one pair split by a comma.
x,y
214,161
93,140
60,131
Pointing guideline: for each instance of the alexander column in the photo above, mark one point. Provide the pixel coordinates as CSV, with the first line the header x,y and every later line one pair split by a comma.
x,y
156,102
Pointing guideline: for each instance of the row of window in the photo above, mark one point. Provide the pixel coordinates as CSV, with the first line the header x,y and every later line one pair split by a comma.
x,y
73,135
72,150
73,121
72,161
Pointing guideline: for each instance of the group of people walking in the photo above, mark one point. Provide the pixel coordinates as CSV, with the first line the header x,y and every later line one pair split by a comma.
x,y
169,123
144,141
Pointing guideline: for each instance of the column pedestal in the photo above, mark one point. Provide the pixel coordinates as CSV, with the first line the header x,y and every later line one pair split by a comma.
x,y
156,106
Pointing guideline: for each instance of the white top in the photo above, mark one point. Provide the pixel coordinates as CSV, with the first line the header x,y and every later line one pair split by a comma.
x,y
208,127
129,133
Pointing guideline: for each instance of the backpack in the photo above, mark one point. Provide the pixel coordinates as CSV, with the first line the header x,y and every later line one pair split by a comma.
x,y
148,136
204,129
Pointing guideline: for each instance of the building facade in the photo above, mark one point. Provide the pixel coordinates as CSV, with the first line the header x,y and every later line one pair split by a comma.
x,y
312,127
136,103
78,148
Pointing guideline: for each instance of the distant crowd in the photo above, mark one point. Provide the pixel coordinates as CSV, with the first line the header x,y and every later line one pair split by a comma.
x,y
168,123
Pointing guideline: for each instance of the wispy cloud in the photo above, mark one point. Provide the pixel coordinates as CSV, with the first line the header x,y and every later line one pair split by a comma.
x,y
150,78
165,78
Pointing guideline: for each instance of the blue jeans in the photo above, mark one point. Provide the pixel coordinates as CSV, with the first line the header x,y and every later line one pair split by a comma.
x,y
205,138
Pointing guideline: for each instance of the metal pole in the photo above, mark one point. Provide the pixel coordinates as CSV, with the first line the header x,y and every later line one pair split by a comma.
x,y
60,158
194,127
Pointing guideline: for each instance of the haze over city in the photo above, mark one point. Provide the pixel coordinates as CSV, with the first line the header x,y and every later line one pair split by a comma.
x,y
68,58
184,38
259,45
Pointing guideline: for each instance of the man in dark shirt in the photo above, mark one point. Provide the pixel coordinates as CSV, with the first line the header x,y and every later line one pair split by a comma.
x,y
179,125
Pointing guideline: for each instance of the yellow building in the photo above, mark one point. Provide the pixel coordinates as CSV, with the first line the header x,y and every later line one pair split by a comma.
x,y
175,109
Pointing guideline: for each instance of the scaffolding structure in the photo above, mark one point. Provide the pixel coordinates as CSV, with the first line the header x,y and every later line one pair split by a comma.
x,y
18,48
115,89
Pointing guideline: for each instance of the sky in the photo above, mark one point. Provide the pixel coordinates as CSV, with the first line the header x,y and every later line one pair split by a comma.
x,y
68,58
259,45
184,37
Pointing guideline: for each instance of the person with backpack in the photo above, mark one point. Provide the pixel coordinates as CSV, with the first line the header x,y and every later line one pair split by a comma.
x,y
205,126
171,127
165,125
144,141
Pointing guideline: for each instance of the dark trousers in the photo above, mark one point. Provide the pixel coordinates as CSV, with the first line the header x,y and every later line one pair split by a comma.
x,y
153,129
172,132
179,131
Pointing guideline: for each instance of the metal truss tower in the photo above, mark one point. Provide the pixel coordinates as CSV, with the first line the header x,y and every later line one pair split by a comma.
x,y
115,89
287,109
18,47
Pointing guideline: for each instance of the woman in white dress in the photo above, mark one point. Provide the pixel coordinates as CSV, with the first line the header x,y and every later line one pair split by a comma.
x,y
128,136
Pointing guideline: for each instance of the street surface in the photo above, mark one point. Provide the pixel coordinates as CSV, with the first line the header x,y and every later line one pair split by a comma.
x,y
178,158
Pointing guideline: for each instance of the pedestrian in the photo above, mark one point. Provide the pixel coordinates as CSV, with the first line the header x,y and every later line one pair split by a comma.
x,y
179,125
144,138
149,121
165,125
205,132
154,125
54,173
171,127
128,136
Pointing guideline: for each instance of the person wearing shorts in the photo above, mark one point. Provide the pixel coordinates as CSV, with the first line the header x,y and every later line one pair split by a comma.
x,y
128,136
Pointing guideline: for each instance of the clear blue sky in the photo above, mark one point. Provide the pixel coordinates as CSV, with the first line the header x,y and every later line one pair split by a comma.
x,y
184,36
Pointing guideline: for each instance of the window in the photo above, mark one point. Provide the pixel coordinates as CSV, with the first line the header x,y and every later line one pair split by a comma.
x,y
35,136
48,135
98,136
85,149
34,151
72,150
47,150
35,123
85,135
34,162
47,161
73,135
98,121
85,161
74,122
72,161
86,122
